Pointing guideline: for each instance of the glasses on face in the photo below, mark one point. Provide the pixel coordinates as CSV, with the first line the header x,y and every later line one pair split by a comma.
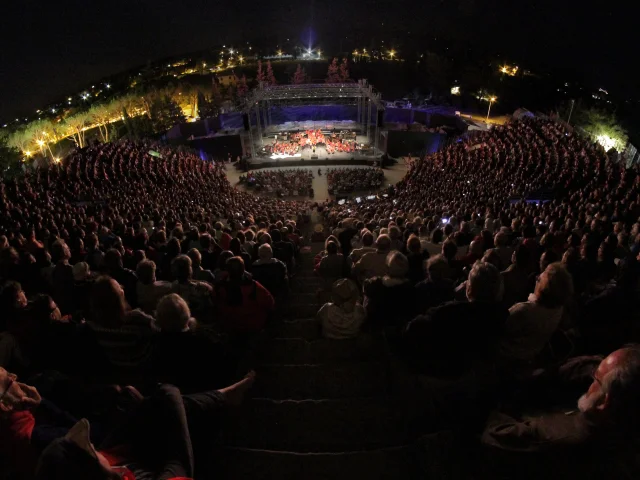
x,y
12,378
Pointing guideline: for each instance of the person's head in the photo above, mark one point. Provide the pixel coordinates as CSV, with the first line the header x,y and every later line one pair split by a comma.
x,y
108,305
383,243
146,271
485,284
12,297
276,236
449,250
81,271
501,239
345,294
265,252
74,457
522,257
181,268
195,256
60,251
14,395
438,236
437,268
614,394
397,265
332,248
491,256
235,267
367,239
235,246
205,242
173,314
554,287
475,248
413,244
331,238
547,258
113,260
222,259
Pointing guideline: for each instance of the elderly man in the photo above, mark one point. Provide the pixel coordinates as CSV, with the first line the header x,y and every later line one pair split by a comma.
x,y
367,247
197,294
153,435
450,339
374,264
270,272
598,440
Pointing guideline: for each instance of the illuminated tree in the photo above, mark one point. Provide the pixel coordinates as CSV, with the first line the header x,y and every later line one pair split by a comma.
x,y
344,71
101,115
603,127
76,125
333,73
164,112
260,77
300,76
271,79
9,157
21,140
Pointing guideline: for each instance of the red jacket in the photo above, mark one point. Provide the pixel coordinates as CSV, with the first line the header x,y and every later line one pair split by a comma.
x,y
251,314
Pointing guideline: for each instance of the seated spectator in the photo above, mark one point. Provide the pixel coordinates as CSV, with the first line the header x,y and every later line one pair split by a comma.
x,y
598,440
62,277
390,299
451,339
282,250
270,272
374,264
148,290
367,247
130,448
449,251
196,294
123,335
82,282
517,278
475,253
504,251
199,273
416,257
437,289
331,266
344,316
531,324
183,354
242,304
236,248
125,277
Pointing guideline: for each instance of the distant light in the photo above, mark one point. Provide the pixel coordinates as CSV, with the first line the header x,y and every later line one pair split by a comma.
x,y
108,85
69,98
231,51
493,99
28,153
279,52
309,51
455,90
40,143
53,110
57,159
606,141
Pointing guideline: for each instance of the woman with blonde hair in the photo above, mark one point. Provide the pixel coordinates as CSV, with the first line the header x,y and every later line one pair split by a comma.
x,y
344,315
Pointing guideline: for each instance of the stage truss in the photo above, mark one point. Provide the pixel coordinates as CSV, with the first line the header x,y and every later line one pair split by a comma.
x,y
261,100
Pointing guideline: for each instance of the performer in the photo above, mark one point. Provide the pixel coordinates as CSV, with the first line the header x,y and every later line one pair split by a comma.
x,y
319,172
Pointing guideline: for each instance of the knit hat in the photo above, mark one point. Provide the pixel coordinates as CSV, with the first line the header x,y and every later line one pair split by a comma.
x,y
81,271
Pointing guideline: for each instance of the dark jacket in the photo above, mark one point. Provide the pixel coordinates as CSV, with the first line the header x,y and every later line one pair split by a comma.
x,y
431,294
449,339
272,275
389,302
417,269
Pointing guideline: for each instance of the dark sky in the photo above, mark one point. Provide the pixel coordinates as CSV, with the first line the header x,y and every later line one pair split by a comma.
x,y
50,49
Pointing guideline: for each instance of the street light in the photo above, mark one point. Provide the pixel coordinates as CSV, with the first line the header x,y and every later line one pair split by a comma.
x,y
392,54
491,100
241,59
279,53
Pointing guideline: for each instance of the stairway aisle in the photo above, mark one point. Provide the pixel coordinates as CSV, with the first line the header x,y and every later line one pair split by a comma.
x,y
320,408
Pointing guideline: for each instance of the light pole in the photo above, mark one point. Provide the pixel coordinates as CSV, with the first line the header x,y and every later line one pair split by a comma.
x,y
570,111
491,100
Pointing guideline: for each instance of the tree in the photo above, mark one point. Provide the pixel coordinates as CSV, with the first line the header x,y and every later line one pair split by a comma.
x,y
333,74
76,126
10,157
206,107
102,115
271,79
164,113
603,127
260,75
243,88
300,76
344,71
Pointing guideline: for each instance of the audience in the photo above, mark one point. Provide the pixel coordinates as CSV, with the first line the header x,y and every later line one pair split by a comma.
x,y
344,316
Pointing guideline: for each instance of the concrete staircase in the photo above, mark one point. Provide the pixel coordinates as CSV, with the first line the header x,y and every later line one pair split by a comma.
x,y
320,409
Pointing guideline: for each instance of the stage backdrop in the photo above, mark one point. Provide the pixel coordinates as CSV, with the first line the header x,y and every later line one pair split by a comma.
x,y
401,143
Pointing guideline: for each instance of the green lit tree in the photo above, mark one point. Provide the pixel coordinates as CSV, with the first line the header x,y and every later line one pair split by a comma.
x,y
603,127
10,157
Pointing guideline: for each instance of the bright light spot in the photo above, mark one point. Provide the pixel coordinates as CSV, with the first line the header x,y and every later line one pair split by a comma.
x,y
455,90
279,53
231,51
606,141
40,143
309,51
392,53
108,85
57,159
493,99
53,110
28,153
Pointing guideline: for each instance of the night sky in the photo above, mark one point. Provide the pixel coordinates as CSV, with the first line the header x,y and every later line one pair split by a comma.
x,y
51,49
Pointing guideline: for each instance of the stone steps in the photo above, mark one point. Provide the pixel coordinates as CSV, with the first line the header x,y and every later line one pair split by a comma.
x,y
306,328
295,351
318,425
299,382
382,464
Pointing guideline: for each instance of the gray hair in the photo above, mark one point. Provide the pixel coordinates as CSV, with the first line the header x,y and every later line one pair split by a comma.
x,y
172,313
437,267
397,265
265,252
485,284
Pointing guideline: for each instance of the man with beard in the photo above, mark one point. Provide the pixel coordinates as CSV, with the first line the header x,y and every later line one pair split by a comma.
x,y
598,440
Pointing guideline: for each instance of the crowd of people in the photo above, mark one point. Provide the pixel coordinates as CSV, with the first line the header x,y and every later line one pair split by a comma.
x,y
121,271
354,179
288,182
294,143
522,306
